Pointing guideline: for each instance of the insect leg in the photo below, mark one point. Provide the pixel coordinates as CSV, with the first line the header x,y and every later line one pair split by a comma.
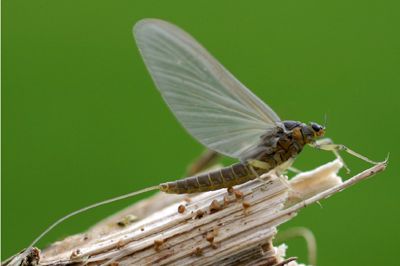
x,y
327,141
294,170
259,164
278,170
328,145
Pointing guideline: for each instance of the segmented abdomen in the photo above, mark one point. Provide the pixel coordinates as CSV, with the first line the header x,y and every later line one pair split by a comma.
x,y
222,178
238,173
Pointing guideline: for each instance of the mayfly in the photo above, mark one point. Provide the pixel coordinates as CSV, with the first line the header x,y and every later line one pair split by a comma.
x,y
219,112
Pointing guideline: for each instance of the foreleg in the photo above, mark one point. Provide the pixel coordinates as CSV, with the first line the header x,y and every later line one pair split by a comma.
x,y
328,145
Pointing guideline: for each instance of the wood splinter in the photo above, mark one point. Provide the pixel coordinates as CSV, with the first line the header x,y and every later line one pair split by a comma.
x,y
240,235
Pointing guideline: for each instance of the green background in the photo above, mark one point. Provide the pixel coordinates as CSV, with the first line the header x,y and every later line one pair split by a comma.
x,y
83,122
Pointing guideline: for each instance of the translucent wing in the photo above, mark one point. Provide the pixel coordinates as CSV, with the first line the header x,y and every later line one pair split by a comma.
x,y
207,100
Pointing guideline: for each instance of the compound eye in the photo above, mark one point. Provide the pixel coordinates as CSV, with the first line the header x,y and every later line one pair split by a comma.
x,y
316,127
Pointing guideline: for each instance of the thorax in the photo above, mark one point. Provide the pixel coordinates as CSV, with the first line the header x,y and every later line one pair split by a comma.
x,y
284,143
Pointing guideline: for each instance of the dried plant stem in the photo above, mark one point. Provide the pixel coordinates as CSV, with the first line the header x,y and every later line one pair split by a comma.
x,y
211,228
329,192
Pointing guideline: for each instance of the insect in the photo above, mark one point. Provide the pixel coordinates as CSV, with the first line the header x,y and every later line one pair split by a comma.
x,y
219,112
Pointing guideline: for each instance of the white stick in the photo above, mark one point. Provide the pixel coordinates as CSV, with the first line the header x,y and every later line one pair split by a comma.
x,y
211,228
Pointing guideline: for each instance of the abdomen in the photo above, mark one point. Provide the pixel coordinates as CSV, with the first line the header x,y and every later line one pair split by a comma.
x,y
235,174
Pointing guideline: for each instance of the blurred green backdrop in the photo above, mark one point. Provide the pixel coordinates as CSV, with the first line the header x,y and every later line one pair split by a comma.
x,y
82,120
